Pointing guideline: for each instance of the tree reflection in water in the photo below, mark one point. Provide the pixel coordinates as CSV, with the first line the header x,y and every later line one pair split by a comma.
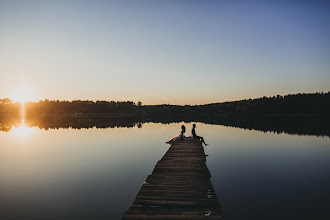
x,y
316,126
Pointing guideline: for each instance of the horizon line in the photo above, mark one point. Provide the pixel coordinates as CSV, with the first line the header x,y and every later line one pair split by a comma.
x,y
135,102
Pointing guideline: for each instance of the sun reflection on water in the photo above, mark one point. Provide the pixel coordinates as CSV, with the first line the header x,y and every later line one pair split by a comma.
x,y
22,130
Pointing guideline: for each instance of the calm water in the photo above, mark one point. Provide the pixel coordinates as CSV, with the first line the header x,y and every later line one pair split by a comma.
x,y
96,173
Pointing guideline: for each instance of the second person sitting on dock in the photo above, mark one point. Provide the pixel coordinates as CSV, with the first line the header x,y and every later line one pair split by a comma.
x,y
194,136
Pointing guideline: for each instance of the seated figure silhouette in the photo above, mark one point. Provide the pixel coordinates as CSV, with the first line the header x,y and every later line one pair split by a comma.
x,y
179,136
194,136
183,130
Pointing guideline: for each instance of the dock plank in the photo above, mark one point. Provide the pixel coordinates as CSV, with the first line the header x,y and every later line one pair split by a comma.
x,y
179,187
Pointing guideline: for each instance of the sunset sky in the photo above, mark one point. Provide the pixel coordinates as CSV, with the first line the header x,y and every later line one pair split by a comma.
x,y
176,51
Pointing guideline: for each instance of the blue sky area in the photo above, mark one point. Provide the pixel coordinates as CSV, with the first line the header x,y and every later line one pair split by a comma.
x,y
177,52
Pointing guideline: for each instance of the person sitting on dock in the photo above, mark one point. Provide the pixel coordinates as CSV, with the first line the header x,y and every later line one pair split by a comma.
x,y
183,130
179,136
194,136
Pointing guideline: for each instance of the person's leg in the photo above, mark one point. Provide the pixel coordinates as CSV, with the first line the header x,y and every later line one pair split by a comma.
x,y
170,141
197,137
202,140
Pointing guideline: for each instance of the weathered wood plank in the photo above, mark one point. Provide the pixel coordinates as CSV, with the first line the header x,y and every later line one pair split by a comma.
x,y
178,188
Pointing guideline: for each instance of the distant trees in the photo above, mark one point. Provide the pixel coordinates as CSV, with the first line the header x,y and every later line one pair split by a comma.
x,y
302,103
5,101
305,103
76,106
6,106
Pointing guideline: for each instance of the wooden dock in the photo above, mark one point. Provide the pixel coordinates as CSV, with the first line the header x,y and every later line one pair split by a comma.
x,y
178,188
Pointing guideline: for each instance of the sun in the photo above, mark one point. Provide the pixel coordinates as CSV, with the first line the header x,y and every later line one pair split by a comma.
x,y
23,95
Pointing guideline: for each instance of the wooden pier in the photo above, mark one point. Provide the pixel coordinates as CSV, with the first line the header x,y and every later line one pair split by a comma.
x,y
178,188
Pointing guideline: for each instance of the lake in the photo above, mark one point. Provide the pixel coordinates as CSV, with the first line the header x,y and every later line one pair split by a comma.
x,y
95,173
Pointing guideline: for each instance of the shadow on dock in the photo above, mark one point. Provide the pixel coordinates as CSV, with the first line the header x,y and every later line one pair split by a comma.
x,y
178,188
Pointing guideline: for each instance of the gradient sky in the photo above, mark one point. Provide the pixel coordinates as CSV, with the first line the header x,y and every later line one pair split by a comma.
x,y
177,52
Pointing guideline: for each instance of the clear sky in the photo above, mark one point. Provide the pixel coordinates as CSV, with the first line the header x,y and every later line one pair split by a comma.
x,y
175,51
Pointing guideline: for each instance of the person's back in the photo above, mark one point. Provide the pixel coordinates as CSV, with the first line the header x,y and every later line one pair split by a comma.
x,y
183,130
193,132
195,136
179,136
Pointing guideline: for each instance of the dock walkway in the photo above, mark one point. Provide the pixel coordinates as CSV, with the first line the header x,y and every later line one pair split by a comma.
x,y
178,188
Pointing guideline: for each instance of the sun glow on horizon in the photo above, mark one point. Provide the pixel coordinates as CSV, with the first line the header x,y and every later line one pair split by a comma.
x,y
23,95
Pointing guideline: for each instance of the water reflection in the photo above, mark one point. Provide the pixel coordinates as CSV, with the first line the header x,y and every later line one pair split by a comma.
x,y
301,126
97,173
22,130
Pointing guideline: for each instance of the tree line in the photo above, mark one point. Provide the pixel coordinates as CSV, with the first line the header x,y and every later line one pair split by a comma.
x,y
299,104
61,107
302,103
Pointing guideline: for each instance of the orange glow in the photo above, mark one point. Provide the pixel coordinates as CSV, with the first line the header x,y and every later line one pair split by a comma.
x,y
23,95
22,131
22,111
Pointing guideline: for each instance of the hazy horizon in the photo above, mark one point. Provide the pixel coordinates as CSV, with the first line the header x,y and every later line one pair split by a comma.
x,y
174,52
136,101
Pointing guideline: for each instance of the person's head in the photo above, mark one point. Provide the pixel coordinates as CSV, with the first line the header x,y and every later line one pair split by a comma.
x,y
183,127
194,125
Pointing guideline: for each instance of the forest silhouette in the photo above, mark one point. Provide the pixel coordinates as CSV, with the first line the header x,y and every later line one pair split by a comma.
x,y
303,104
303,114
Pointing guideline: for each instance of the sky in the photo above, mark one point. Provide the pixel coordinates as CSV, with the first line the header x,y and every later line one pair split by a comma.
x,y
175,51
